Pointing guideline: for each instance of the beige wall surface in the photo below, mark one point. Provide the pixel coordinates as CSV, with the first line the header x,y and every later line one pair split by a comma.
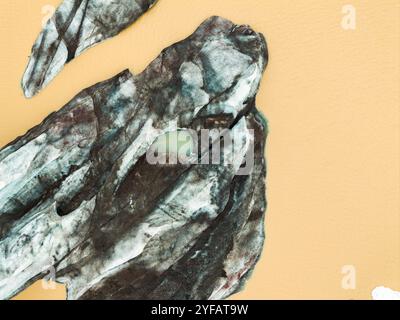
x,y
332,99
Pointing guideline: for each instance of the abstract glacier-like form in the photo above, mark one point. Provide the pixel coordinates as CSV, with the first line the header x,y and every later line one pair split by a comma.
x,y
76,26
77,193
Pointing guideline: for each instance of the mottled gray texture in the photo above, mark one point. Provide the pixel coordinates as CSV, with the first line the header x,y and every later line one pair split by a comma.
x,y
76,26
77,193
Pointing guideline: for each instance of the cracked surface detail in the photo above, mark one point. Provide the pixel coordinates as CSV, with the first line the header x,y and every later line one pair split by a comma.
x,y
76,26
77,193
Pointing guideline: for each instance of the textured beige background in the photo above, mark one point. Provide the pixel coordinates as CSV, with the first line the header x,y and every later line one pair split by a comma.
x,y
332,100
